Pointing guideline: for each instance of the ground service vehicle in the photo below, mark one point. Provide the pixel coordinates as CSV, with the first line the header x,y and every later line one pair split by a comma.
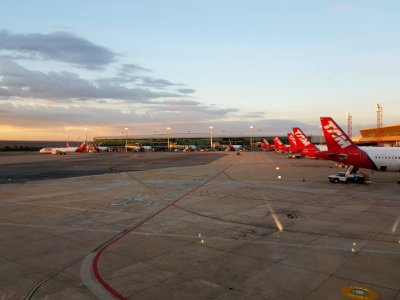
x,y
347,178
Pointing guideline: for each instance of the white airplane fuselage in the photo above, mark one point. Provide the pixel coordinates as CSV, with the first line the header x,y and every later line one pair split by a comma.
x,y
63,150
384,158
57,150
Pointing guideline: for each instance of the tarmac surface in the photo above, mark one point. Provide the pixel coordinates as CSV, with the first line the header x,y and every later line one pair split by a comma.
x,y
21,167
251,226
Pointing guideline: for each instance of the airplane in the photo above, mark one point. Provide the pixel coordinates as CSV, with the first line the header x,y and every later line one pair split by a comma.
x,y
294,151
139,148
146,148
279,146
101,148
231,147
292,142
267,145
190,148
304,145
82,147
342,149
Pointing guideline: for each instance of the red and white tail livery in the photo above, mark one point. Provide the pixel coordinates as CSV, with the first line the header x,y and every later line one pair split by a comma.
x,y
267,145
279,146
342,149
304,144
293,144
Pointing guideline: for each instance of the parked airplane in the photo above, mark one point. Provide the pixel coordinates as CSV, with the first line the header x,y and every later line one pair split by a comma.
x,y
267,145
190,148
82,147
343,150
293,144
279,146
139,148
304,145
294,151
101,148
231,147
146,148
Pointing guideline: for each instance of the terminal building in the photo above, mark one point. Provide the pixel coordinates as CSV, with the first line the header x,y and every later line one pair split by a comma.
x,y
386,135
163,142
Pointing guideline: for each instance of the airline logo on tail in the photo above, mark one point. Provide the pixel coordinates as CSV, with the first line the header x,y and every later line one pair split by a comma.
x,y
291,139
265,143
337,134
298,133
82,147
277,141
342,149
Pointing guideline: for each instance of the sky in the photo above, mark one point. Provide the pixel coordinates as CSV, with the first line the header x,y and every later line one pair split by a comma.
x,y
67,66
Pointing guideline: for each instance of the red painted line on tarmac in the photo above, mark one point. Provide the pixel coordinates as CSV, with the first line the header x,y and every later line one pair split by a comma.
x,y
95,268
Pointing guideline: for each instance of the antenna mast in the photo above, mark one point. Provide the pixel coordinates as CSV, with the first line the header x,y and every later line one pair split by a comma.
x,y
349,125
378,123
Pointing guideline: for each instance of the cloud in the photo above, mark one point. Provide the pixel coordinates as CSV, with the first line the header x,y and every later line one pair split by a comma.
x,y
191,108
142,119
83,114
16,81
180,102
49,101
157,83
21,83
126,69
186,91
40,115
262,127
58,46
252,115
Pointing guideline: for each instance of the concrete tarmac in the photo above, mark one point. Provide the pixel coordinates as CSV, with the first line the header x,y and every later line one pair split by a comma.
x,y
251,226
22,167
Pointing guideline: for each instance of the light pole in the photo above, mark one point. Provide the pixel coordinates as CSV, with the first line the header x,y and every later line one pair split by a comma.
x,y
251,137
86,134
126,139
211,141
168,129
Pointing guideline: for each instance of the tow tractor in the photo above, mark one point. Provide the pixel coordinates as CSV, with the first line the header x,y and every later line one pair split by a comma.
x,y
294,155
349,176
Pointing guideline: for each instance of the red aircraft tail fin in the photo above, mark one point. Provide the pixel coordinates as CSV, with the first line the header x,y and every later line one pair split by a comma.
x,y
277,142
302,141
336,139
291,140
82,147
265,143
